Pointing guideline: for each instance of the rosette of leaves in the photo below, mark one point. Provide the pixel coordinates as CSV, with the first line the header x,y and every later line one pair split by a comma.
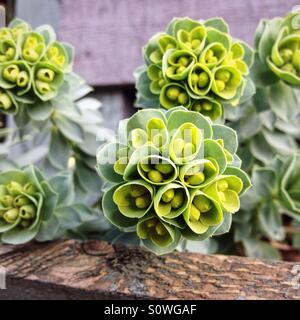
x,y
34,68
172,177
32,208
270,210
195,64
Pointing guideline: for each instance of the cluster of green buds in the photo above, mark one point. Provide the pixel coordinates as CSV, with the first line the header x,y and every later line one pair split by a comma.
x,y
26,200
33,65
195,64
278,48
175,177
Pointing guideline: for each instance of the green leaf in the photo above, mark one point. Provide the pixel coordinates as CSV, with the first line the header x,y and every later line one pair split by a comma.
x,y
261,250
270,221
63,186
40,111
70,129
265,182
217,23
59,151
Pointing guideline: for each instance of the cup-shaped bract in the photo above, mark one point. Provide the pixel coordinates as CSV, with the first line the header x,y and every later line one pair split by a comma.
x,y
180,188
181,65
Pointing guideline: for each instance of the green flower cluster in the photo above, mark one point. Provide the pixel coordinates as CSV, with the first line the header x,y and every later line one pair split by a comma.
x,y
33,65
278,45
176,177
26,199
197,65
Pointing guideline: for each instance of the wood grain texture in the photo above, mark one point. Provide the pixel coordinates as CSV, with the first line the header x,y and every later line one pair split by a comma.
x,y
96,270
109,34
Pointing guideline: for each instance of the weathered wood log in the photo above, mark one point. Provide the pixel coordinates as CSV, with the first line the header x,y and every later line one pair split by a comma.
x,y
97,270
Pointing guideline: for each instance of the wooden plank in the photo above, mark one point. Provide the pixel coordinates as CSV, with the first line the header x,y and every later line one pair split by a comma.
x,y
109,34
97,270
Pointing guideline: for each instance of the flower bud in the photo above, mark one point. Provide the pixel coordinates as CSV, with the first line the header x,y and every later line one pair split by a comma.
x,y
184,61
120,166
53,52
180,70
209,54
223,75
143,202
5,101
289,68
28,212
222,185
202,203
160,229
195,44
178,147
21,201
168,196
178,199
158,140
183,99
23,79
11,73
138,191
7,201
46,75
287,55
197,107
11,216
296,60
14,189
189,150
29,188
162,83
220,85
203,80
145,167
155,176
196,179
151,223
194,79
173,93
207,106
30,55
43,87
194,213
31,42
10,53
164,168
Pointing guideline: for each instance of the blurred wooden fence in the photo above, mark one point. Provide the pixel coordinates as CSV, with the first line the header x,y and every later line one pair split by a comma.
x,y
109,34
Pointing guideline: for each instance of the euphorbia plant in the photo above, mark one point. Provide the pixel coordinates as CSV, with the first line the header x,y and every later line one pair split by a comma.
x,y
275,193
268,128
32,208
34,67
55,127
195,64
176,178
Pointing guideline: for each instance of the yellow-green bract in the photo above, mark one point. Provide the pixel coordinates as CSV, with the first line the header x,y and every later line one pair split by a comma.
x,y
175,177
195,64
